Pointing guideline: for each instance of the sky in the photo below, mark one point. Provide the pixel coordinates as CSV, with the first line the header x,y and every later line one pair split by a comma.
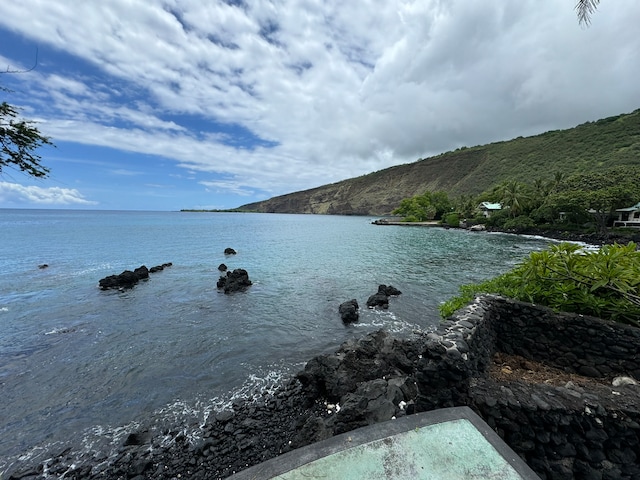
x,y
192,104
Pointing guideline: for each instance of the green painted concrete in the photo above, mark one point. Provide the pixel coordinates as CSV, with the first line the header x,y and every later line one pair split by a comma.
x,y
445,451
446,444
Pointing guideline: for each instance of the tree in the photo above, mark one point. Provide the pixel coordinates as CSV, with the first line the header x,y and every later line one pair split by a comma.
x,y
420,208
514,195
585,8
466,205
599,193
19,139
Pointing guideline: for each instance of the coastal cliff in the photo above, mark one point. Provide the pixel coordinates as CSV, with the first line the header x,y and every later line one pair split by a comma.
x,y
592,146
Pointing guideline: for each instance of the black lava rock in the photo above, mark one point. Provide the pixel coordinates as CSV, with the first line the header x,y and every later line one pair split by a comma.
x,y
349,311
235,281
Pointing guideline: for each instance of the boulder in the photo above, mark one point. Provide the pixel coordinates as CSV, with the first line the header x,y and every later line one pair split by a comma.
x,y
375,356
372,402
381,298
126,279
378,300
229,251
235,281
159,268
222,267
389,290
349,311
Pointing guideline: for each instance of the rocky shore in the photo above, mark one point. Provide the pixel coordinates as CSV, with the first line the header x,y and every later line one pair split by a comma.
x,y
560,235
568,431
300,412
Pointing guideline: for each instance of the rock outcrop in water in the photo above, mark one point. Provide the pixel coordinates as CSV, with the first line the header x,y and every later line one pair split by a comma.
x,y
235,281
128,278
349,311
381,298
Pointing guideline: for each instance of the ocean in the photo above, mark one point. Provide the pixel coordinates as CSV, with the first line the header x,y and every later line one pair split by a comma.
x,y
81,367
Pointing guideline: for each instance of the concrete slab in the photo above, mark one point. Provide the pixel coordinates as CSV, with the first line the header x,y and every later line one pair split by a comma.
x,y
446,444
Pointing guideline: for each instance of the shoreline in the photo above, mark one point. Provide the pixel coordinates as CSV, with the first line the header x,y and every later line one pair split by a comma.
x,y
558,235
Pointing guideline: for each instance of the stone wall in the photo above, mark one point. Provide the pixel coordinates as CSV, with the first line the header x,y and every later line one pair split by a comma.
x,y
575,343
560,431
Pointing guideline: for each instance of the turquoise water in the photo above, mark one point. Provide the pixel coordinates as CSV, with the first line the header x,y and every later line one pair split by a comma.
x,y
81,365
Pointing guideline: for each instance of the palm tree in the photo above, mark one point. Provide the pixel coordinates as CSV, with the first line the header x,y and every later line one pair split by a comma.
x,y
513,194
585,8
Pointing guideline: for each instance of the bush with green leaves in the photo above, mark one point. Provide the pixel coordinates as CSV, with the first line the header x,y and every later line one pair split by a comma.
x,y
497,218
425,207
519,223
566,277
451,220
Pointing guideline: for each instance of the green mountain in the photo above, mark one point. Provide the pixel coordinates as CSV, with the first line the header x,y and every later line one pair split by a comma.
x,y
592,146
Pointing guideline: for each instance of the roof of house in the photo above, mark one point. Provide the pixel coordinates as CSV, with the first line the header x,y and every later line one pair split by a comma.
x,y
491,206
629,209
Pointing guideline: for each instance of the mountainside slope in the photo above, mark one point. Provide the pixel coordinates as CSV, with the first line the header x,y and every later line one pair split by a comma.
x,y
592,146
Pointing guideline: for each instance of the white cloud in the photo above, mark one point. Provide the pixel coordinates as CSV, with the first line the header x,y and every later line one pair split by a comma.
x,y
340,88
13,193
126,173
229,186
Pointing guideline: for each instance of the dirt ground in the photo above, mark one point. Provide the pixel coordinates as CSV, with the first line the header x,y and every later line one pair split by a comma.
x,y
507,368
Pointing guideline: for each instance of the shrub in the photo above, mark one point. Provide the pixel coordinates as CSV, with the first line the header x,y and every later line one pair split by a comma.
x,y
603,283
519,223
498,218
452,219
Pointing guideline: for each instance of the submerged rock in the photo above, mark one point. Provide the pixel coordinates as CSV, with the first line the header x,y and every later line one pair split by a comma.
x,y
159,268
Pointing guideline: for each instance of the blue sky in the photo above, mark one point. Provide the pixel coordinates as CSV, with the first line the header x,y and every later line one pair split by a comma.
x,y
168,104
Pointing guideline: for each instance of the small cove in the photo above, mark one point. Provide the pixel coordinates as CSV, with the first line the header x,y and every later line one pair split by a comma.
x,y
77,364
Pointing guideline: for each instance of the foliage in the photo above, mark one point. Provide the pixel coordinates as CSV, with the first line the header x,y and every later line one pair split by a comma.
x,y
18,141
497,218
514,195
451,219
466,205
421,208
603,283
585,8
521,222
601,193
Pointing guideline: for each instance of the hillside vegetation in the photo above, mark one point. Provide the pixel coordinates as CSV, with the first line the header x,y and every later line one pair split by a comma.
x,y
590,147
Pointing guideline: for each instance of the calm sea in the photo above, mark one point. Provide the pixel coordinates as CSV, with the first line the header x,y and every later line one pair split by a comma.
x,y
80,366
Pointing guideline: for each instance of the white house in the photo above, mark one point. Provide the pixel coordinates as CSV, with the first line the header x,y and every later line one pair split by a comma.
x,y
628,217
487,208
